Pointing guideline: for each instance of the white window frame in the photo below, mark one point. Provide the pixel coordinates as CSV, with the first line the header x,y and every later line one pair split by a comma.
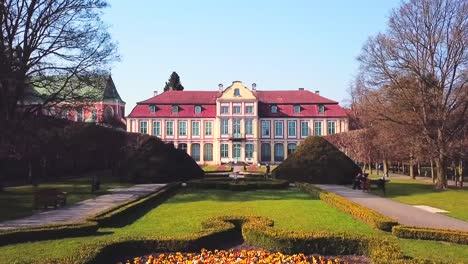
x,y
333,126
180,127
158,126
208,127
145,122
249,127
295,129
282,128
302,130
265,135
171,127
198,128
222,125
315,128
221,152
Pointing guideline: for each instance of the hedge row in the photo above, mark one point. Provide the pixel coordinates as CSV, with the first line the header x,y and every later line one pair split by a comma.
x,y
240,185
119,215
47,232
358,211
453,236
254,230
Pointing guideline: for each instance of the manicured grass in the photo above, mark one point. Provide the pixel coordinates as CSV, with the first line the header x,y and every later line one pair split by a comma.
x,y
420,193
434,250
183,213
16,202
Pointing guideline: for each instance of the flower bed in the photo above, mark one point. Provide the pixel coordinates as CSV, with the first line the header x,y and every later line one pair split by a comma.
x,y
242,184
233,256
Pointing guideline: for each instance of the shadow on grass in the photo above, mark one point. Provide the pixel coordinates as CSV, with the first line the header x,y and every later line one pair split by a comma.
x,y
396,189
195,195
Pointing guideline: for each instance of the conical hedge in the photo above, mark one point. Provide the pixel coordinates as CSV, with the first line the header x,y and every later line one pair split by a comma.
x,y
317,161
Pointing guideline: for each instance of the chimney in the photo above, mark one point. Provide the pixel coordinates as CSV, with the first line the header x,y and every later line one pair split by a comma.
x,y
254,86
155,93
301,89
317,92
220,86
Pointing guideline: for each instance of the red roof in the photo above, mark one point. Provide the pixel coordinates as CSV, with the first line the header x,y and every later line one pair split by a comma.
x,y
292,97
307,110
140,110
285,100
183,97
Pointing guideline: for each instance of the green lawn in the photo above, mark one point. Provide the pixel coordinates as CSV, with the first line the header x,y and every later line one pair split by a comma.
x,y
421,193
434,250
182,214
16,202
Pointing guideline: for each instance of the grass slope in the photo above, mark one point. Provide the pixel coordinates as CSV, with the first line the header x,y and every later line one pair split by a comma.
x,y
420,193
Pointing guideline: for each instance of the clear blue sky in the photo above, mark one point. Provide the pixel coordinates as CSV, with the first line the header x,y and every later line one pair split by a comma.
x,y
277,44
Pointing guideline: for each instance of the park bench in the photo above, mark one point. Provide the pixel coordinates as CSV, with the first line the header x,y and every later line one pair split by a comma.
x,y
49,197
378,183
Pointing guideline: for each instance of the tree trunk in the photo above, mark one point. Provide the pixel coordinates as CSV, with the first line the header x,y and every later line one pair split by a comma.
x,y
377,168
460,172
432,171
441,181
411,168
419,168
385,167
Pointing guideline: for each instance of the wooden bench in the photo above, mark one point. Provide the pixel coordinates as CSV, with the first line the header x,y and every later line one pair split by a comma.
x,y
49,197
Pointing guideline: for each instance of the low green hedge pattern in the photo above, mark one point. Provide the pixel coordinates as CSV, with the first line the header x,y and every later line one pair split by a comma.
x,y
114,215
358,211
453,236
241,184
255,230
46,232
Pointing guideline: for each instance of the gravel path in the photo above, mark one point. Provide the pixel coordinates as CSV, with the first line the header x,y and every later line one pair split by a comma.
x,y
80,211
403,213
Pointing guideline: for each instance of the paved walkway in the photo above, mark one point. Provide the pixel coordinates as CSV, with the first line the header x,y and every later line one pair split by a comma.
x,y
403,213
80,211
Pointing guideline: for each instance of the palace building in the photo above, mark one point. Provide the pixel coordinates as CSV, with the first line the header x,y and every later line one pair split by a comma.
x,y
237,124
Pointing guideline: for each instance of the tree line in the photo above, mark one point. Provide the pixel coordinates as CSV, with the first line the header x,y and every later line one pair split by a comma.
x,y
410,96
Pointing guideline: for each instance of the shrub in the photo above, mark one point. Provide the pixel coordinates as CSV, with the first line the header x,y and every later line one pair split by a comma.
x,y
453,236
47,232
240,185
317,161
217,168
157,162
131,210
358,211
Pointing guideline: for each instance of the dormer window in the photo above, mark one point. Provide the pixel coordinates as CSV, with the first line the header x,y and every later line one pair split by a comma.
x,y
297,109
321,109
236,92
152,108
274,109
197,109
175,109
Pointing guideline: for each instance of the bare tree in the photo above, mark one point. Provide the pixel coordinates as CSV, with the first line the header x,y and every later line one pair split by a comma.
x,y
56,46
419,66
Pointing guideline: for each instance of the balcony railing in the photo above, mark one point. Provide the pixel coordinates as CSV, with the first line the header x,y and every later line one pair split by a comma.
x,y
237,136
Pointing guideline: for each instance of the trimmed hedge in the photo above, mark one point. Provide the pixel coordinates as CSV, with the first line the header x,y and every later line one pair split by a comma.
x,y
240,185
317,161
358,211
119,215
458,237
47,232
255,230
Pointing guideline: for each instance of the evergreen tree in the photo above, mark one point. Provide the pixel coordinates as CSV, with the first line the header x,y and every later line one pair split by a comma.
x,y
174,83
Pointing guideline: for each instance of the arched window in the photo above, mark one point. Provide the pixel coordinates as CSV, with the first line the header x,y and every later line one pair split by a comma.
x,y
291,148
236,92
195,152
279,152
265,154
274,109
182,146
197,109
208,152
297,109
